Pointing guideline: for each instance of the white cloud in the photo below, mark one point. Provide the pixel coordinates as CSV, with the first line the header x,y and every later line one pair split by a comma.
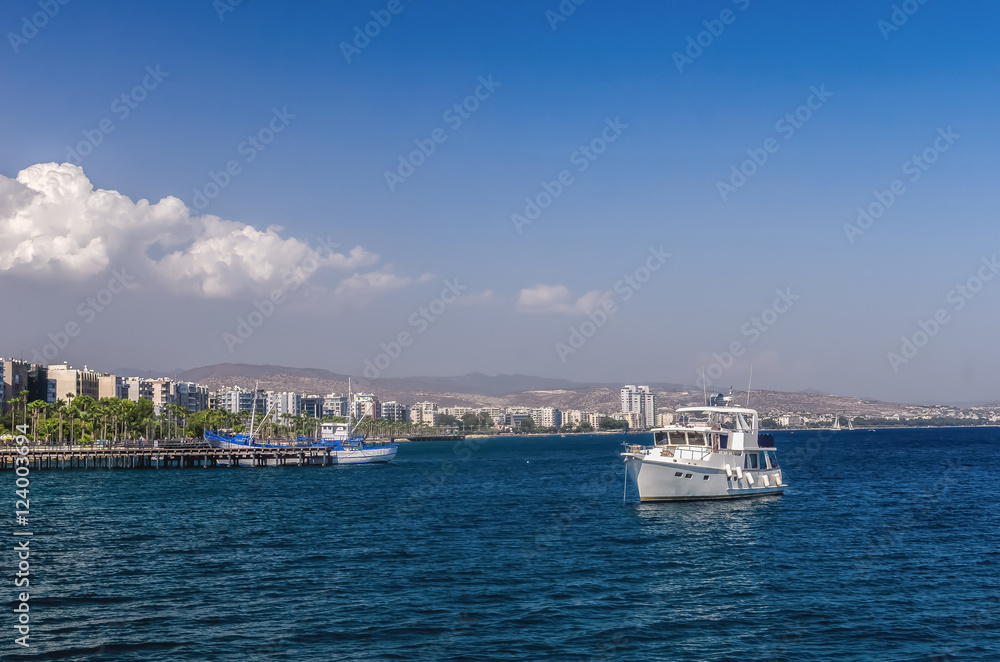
x,y
360,287
55,225
557,299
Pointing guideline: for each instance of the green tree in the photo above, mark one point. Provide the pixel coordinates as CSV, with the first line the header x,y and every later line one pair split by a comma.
x,y
608,423
528,424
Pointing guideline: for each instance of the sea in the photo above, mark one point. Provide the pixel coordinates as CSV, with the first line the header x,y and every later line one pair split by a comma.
x,y
885,547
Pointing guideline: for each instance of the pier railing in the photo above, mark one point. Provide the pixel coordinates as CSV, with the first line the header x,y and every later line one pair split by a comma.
x,y
132,457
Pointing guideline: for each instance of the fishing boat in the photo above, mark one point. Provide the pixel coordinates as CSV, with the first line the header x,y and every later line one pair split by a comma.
x,y
712,452
345,446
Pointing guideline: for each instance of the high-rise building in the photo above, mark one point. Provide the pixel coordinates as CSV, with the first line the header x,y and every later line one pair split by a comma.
x,y
191,396
640,400
112,386
547,417
15,380
366,405
71,382
335,405
424,413
139,387
311,405
38,382
234,400
163,394
281,404
394,411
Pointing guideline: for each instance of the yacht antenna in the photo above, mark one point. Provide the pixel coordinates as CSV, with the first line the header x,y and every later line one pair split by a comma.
x,y
704,386
748,384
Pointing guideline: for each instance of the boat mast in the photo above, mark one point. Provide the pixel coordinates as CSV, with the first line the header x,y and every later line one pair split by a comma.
x,y
253,410
704,386
748,384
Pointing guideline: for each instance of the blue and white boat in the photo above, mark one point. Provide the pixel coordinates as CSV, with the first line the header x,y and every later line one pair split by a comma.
x,y
345,447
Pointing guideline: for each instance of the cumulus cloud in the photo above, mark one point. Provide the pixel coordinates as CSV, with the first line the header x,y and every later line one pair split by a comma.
x,y
55,225
557,299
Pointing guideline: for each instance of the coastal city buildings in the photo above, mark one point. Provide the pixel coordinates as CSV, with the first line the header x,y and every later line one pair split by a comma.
x,y
335,405
546,417
311,406
15,380
639,400
70,382
139,387
424,413
366,404
394,411
50,383
111,386
283,404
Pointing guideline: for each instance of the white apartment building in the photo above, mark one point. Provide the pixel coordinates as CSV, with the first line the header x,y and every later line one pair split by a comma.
x,y
424,413
282,403
457,412
546,417
639,400
594,419
234,400
572,417
366,405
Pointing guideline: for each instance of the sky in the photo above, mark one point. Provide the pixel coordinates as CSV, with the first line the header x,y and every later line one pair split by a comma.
x,y
591,191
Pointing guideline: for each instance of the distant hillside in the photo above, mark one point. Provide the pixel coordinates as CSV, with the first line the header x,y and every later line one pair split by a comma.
x,y
213,372
480,390
478,383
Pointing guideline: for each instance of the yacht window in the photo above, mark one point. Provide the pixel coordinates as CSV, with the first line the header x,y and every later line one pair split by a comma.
x,y
751,461
677,439
763,460
657,438
772,459
696,439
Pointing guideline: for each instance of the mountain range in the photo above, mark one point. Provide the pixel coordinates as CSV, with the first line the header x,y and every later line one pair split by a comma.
x,y
482,390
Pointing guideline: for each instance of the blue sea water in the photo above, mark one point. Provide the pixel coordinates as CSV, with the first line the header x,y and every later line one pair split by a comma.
x,y
884,547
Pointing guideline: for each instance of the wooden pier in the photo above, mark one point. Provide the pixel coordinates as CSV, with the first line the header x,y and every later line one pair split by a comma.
x,y
47,457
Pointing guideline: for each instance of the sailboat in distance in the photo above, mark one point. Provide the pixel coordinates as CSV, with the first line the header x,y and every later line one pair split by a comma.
x,y
836,423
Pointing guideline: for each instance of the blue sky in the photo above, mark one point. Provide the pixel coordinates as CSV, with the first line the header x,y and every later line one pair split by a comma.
x,y
323,175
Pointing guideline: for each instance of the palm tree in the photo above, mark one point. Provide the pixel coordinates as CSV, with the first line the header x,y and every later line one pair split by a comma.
x,y
36,407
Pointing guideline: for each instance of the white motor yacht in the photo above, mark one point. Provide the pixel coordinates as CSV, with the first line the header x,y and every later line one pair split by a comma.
x,y
709,453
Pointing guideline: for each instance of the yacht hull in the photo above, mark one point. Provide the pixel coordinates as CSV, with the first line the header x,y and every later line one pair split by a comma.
x,y
669,481
366,455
